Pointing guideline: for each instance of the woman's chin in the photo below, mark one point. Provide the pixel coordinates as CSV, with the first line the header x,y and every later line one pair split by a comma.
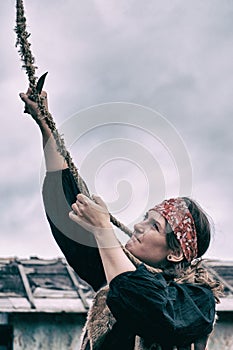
x,y
127,246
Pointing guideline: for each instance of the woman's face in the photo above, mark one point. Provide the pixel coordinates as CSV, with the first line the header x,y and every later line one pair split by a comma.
x,y
148,242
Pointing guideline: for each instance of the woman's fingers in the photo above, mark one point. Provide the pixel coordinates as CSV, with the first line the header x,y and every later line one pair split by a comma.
x,y
81,221
44,94
92,215
31,106
24,97
81,198
76,209
81,204
73,216
44,98
77,216
95,205
85,200
98,200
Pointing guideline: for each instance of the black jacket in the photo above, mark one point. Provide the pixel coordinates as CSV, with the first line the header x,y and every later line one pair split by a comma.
x,y
143,304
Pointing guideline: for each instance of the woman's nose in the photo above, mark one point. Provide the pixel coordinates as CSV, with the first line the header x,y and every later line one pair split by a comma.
x,y
139,228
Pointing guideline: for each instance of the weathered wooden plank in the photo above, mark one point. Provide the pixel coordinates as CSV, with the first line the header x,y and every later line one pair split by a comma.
x,y
26,285
76,284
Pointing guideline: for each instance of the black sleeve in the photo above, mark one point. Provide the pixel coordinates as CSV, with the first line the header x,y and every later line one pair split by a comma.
x,y
78,245
174,314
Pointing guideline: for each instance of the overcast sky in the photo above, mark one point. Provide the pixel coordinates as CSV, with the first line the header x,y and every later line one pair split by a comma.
x,y
170,62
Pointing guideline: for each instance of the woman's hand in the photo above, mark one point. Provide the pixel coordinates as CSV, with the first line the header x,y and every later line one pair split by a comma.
x,y
32,107
92,215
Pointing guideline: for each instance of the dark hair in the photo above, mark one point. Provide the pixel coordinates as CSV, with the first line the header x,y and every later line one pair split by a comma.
x,y
203,230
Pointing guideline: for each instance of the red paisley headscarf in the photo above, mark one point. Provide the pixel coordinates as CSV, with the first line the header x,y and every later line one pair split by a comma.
x,y
177,214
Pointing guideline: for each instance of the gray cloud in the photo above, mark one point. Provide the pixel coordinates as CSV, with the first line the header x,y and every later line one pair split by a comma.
x,y
175,57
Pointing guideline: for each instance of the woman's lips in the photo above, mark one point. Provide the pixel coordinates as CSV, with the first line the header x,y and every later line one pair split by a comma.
x,y
134,239
137,239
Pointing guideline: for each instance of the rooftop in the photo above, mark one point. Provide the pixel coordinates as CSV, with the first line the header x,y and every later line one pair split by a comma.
x,y
223,271
39,285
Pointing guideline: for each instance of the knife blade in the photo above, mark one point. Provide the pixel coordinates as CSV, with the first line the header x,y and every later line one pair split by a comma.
x,y
40,83
39,87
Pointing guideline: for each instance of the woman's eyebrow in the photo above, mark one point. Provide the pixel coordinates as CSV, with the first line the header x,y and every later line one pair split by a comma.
x,y
156,221
158,224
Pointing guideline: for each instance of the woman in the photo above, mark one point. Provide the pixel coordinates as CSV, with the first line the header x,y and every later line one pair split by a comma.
x,y
152,296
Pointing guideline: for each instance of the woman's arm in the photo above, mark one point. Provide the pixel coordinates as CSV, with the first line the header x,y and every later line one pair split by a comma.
x,y
78,246
59,192
53,160
94,217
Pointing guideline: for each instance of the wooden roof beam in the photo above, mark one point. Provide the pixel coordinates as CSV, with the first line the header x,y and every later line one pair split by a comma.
x,y
77,286
26,285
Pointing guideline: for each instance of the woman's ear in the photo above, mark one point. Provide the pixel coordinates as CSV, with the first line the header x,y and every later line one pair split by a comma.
x,y
175,256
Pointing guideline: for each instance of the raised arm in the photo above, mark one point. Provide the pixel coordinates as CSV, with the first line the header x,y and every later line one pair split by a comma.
x,y
54,161
59,192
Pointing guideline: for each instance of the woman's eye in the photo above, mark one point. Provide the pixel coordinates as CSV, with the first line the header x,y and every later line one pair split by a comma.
x,y
145,217
155,226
